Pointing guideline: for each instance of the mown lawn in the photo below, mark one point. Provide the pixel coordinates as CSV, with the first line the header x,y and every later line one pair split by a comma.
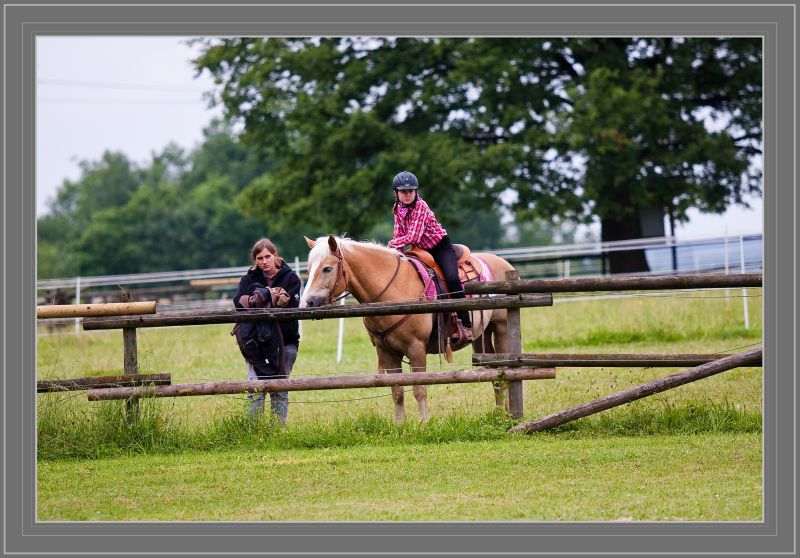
x,y
693,453
544,477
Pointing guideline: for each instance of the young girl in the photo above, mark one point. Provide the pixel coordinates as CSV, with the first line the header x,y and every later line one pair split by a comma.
x,y
415,224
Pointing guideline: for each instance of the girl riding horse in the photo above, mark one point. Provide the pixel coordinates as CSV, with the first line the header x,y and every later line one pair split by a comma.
x,y
416,224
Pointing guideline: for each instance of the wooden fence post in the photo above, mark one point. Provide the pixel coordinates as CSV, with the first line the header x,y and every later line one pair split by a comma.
x,y
130,367
515,393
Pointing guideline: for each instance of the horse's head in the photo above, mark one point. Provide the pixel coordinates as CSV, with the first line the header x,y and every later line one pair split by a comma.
x,y
326,275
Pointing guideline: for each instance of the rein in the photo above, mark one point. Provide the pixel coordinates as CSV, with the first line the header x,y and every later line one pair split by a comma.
x,y
382,333
386,288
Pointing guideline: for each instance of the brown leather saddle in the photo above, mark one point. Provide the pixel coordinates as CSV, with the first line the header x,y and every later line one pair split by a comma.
x,y
468,268
447,334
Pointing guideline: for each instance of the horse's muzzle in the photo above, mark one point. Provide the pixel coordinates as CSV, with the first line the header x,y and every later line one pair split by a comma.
x,y
312,301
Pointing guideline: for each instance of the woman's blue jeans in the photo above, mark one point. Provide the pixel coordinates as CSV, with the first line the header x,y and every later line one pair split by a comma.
x,y
278,401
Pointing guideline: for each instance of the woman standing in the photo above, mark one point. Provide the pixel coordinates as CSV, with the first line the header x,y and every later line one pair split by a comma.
x,y
269,347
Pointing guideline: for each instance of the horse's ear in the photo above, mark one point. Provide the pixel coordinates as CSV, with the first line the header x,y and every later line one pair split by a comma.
x,y
334,248
311,243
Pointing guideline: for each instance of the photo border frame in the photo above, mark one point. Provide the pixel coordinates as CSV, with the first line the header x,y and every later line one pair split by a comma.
x,y
776,23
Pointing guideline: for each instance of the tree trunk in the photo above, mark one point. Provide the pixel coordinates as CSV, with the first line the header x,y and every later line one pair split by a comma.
x,y
624,228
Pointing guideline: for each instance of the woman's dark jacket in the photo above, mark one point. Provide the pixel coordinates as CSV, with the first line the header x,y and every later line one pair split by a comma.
x,y
290,282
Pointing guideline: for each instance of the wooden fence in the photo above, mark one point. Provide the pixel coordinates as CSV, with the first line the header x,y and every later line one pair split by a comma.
x,y
512,367
115,316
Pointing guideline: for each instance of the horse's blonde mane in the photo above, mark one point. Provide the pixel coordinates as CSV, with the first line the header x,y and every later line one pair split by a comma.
x,y
320,249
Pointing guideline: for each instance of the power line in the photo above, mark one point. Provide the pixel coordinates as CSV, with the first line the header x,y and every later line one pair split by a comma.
x,y
110,85
120,101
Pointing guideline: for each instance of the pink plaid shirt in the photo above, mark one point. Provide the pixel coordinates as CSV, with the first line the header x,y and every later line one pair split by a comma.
x,y
417,226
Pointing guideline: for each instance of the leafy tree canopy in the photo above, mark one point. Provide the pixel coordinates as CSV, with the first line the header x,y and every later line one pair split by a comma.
x,y
575,128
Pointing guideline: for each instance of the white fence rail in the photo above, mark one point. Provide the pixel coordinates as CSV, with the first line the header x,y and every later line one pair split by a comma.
x,y
557,255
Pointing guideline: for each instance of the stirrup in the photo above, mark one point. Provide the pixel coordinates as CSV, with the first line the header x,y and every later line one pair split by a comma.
x,y
463,334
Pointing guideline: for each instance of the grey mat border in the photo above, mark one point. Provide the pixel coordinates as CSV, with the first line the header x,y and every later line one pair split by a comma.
x,y
776,22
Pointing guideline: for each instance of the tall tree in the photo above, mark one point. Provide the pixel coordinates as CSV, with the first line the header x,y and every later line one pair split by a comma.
x,y
180,211
638,119
106,183
576,128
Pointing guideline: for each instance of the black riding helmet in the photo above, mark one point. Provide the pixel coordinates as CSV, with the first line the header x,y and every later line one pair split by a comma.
x,y
405,180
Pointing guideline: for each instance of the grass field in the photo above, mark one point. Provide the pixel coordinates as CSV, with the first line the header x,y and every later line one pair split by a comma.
x,y
693,453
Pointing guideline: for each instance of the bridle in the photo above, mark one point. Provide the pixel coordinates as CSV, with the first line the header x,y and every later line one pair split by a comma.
x,y
340,274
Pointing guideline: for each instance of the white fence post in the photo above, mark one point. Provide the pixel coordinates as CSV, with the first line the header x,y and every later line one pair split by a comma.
x,y
77,301
744,291
340,340
727,291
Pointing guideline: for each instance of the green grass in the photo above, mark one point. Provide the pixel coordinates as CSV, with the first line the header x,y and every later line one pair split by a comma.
x,y
521,478
104,431
700,444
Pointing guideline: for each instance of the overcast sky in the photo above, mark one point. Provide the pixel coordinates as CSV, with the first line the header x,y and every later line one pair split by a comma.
x,y
138,94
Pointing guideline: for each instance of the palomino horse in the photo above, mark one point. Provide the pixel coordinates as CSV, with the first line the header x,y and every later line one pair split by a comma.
x,y
375,273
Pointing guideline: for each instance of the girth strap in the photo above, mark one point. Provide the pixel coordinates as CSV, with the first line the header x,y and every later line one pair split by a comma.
x,y
382,333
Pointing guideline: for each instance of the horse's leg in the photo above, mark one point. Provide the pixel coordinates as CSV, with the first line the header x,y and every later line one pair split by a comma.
x,y
418,358
484,344
389,363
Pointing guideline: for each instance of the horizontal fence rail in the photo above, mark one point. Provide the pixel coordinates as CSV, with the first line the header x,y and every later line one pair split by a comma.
x,y
90,310
334,382
359,310
96,382
592,360
587,284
